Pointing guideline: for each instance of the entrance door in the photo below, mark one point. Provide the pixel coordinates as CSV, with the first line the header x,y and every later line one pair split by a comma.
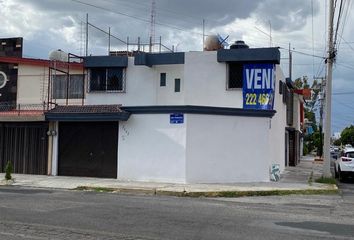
x,y
292,149
88,149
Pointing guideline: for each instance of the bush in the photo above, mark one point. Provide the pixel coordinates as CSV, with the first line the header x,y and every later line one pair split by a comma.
x,y
305,150
8,170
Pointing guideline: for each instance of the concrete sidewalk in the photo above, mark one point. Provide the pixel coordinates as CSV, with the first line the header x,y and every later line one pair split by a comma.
x,y
293,180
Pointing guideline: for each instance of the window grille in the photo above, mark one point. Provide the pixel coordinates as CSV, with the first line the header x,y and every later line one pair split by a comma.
x,y
107,79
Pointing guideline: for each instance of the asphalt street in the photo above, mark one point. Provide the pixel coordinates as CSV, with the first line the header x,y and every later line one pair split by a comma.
x,y
55,214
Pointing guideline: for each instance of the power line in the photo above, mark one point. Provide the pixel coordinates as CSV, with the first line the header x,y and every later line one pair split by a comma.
x,y
135,17
343,93
344,104
303,53
338,21
167,11
345,66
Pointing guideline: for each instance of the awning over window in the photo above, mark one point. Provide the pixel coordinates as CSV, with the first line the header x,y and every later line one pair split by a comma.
x,y
249,55
105,61
87,113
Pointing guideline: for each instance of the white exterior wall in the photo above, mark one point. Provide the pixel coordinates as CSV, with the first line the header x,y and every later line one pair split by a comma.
x,y
30,88
143,87
140,89
278,124
205,81
227,149
167,95
151,149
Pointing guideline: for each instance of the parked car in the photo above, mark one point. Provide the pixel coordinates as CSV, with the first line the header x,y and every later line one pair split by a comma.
x,y
344,166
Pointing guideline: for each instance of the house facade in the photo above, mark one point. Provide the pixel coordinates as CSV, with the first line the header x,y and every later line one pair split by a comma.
x,y
24,95
167,117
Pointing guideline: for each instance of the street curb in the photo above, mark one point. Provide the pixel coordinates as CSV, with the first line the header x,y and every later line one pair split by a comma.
x,y
210,194
7,182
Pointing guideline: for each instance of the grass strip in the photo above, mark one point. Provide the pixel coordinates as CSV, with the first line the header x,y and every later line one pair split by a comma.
x,y
326,180
228,194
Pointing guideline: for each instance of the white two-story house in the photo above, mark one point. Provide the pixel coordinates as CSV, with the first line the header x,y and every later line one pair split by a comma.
x,y
181,117
171,117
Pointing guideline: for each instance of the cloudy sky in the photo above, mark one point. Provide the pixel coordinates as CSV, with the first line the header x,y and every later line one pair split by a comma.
x,y
50,24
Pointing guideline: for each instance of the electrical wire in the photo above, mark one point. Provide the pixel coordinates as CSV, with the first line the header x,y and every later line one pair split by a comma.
x,y
136,18
342,93
303,53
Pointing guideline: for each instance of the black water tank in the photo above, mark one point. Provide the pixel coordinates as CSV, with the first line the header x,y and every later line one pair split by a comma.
x,y
239,44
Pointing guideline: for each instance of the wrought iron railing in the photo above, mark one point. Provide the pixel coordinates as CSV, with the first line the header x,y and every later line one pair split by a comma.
x,y
7,108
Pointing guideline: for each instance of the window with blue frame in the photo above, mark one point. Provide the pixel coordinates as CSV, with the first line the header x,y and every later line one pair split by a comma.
x,y
107,79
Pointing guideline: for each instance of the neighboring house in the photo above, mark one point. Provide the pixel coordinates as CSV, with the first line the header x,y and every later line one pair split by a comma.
x,y
169,117
23,101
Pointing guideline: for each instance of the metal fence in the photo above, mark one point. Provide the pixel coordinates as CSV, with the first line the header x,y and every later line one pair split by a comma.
x,y
7,108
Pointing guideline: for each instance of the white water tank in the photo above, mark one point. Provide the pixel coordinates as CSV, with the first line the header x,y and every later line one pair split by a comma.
x,y
212,43
58,55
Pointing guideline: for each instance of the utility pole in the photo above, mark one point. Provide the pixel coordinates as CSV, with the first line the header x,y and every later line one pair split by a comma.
x,y
328,110
321,98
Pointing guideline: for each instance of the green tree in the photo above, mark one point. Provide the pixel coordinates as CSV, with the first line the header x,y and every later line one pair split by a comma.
x,y
337,142
347,135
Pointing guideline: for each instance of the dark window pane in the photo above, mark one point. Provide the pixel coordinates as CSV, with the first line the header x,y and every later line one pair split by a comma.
x,y
115,79
235,75
59,86
97,79
177,85
162,79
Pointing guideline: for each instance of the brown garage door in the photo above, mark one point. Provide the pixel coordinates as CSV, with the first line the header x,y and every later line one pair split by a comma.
x,y
88,149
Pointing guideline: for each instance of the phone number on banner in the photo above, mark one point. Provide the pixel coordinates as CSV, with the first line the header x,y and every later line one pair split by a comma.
x,y
260,99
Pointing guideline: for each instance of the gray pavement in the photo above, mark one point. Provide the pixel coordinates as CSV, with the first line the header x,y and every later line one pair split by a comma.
x,y
30,213
292,179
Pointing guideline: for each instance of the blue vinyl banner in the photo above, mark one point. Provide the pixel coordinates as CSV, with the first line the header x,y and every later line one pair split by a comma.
x,y
258,86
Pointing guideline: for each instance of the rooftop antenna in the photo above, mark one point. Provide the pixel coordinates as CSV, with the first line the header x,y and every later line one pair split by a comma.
x,y
152,23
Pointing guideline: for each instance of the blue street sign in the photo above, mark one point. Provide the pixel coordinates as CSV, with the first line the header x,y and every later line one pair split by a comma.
x,y
176,118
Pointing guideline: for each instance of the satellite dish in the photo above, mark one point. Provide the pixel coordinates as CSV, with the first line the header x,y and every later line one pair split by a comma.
x,y
3,79
223,40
